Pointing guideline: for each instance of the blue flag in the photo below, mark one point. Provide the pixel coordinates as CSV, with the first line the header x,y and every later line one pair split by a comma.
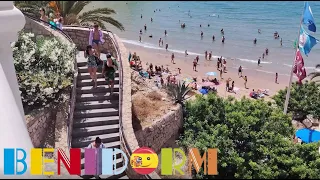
x,y
306,42
308,18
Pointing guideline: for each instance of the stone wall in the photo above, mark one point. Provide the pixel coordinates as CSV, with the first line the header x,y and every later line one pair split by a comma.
x,y
156,135
37,28
80,36
37,124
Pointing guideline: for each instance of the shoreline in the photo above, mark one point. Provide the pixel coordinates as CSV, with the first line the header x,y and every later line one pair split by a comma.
x,y
257,77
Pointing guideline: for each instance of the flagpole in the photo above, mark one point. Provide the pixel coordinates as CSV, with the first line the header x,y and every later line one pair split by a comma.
x,y
286,103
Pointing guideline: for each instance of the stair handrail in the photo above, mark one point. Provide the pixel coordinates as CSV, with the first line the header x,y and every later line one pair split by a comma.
x,y
75,77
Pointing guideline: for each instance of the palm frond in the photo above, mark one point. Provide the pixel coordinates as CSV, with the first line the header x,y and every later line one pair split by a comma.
x,y
104,19
99,11
314,75
78,6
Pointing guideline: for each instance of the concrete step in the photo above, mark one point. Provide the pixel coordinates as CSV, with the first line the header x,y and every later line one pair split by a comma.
x,y
100,88
96,97
88,82
84,69
86,75
85,141
96,121
96,105
90,113
94,131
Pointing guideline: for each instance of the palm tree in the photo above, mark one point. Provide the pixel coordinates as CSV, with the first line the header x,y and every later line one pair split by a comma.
x,y
70,11
315,74
32,8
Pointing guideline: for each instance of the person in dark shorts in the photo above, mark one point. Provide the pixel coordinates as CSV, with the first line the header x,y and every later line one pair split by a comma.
x,y
109,71
259,61
240,71
195,65
276,77
172,58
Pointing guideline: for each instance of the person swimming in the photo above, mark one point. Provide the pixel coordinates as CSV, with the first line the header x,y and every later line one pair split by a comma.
x,y
222,31
150,36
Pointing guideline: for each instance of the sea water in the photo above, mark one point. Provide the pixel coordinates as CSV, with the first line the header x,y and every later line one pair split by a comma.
x,y
240,21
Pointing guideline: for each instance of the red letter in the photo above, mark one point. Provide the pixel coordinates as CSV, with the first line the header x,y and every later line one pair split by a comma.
x,y
74,164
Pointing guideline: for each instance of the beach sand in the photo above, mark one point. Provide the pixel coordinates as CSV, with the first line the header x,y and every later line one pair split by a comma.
x,y
257,79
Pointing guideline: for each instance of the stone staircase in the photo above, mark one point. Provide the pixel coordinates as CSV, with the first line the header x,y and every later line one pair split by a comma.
x,y
96,114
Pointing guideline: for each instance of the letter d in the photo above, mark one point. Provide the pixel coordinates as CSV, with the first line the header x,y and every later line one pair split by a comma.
x,y
123,168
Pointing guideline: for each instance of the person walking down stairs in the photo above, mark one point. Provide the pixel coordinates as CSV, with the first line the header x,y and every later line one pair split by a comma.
x,y
109,69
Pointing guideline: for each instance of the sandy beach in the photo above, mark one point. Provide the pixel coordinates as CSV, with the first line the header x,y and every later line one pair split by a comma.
x,y
257,78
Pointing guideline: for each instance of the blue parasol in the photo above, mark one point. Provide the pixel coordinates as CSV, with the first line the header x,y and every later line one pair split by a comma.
x,y
308,135
211,73
203,91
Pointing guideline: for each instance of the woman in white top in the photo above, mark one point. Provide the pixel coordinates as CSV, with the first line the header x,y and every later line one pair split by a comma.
x,y
58,20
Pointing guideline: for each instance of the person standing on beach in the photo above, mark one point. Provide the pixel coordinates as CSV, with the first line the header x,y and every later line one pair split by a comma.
x,y
255,41
222,39
167,46
151,20
259,61
245,81
227,84
276,77
240,71
221,73
210,55
206,55
186,53
172,58
145,27
195,65
197,58
213,37
267,51
201,34
140,38
159,41
165,32
262,55
179,70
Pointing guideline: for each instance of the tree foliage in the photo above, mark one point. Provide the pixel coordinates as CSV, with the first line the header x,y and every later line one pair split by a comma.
x,y
254,139
304,100
71,11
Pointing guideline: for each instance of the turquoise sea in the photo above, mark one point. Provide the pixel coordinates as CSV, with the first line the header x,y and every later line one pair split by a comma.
x,y
239,19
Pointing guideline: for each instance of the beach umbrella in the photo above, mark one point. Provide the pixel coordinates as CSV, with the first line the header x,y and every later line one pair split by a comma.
x,y
203,91
211,73
207,84
308,135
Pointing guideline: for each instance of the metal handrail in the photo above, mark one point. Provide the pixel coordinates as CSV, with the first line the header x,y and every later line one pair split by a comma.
x,y
75,76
